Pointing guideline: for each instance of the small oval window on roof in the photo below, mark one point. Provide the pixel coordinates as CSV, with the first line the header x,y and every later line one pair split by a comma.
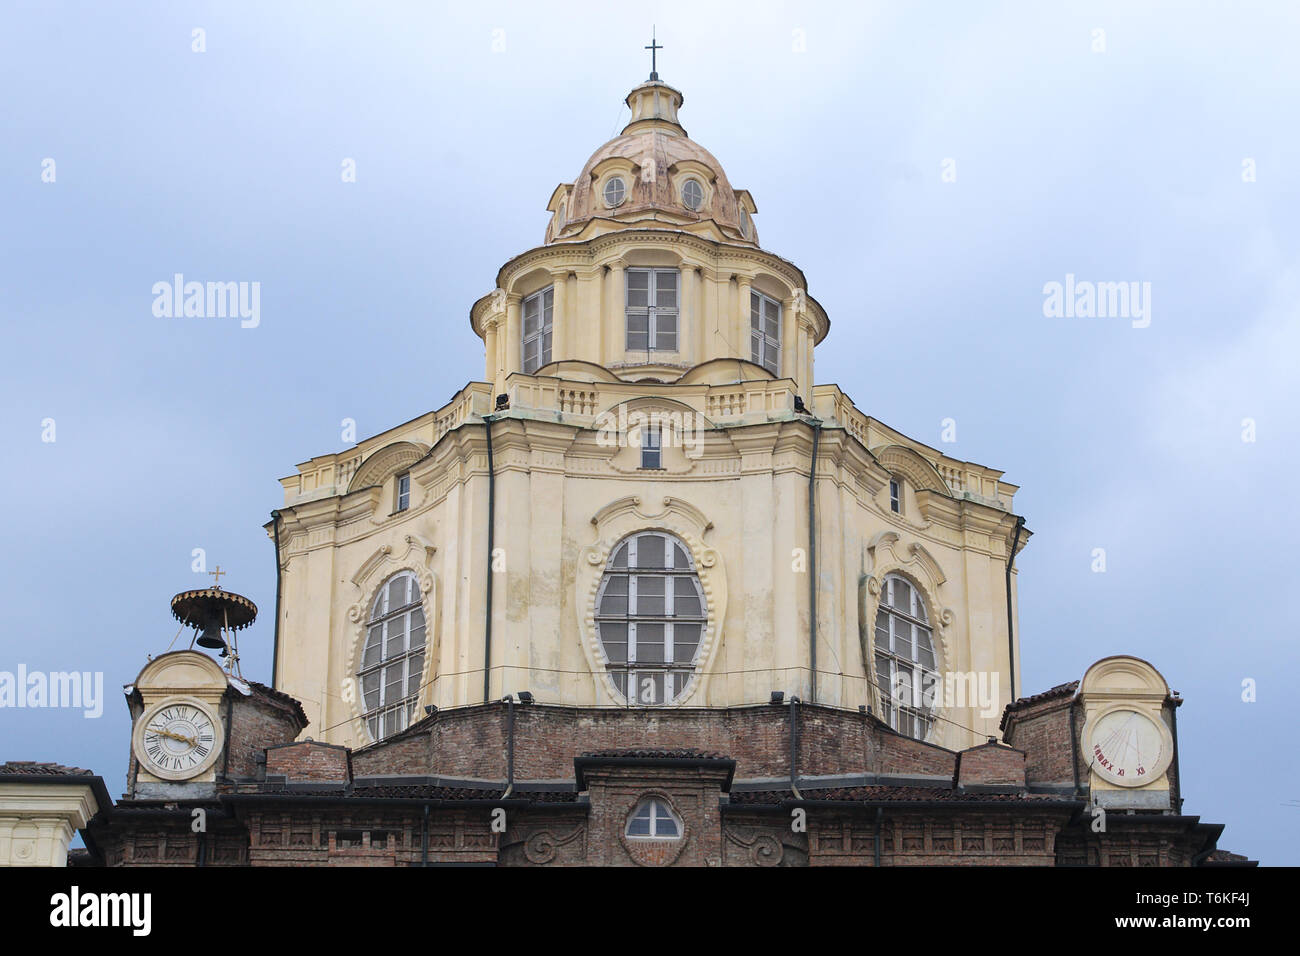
x,y
615,192
692,194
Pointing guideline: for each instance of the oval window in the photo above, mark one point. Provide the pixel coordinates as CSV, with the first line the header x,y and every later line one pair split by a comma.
x,y
692,194
392,662
906,670
651,615
615,192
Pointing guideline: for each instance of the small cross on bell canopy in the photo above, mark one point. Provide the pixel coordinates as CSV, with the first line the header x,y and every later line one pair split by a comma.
x,y
212,612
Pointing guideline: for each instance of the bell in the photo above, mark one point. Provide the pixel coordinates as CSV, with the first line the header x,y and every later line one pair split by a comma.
x,y
212,638
212,612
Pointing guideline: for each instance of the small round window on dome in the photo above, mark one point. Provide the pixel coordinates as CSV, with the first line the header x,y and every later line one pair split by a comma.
x,y
615,192
692,194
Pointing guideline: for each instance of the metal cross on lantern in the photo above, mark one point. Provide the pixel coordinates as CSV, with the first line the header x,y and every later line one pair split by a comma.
x,y
653,48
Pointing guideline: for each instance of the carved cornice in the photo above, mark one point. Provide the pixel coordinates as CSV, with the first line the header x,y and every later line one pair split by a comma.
x,y
919,553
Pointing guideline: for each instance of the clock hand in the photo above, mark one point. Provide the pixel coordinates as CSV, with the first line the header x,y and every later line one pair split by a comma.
x,y
175,736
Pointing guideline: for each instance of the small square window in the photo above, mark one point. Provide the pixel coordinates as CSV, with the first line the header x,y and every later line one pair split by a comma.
x,y
651,450
895,496
403,492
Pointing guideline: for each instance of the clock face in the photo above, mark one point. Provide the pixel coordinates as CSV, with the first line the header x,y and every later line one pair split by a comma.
x,y
177,740
1127,748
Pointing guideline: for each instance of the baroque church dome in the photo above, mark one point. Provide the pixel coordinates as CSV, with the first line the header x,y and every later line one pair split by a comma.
x,y
652,175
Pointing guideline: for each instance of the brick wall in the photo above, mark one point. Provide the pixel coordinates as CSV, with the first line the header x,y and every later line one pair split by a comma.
x,y
472,742
256,723
691,792
308,760
1042,731
991,765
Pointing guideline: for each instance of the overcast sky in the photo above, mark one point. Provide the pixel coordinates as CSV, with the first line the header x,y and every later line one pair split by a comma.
x,y
1162,150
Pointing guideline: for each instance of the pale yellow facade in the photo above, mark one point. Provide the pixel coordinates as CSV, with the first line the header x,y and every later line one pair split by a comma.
x,y
39,819
567,482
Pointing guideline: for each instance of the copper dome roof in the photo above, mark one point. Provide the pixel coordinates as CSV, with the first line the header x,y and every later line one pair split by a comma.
x,y
655,158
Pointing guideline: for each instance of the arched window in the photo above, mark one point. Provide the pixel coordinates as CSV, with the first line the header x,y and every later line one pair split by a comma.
x,y
393,660
905,667
650,612
654,820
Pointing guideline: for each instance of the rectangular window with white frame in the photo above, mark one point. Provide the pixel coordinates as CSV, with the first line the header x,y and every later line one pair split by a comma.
x,y
403,492
651,447
537,329
765,332
895,496
652,309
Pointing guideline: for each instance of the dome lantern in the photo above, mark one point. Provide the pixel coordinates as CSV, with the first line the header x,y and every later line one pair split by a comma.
x,y
654,106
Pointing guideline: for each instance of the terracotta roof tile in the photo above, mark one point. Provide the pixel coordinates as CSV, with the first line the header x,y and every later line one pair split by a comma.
x,y
1060,690
421,792
652,753
879,794
279,697
34,768
1226,856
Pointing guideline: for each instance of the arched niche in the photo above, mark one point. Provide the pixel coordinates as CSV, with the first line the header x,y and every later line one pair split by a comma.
x,y
903,461
385,463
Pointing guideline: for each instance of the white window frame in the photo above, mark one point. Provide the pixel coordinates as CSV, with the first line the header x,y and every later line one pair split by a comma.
x,y
698,185
913,717
659,809
652,451
604,192
543,300
652,312
389,716
402,490
670,671
896,495
764,349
